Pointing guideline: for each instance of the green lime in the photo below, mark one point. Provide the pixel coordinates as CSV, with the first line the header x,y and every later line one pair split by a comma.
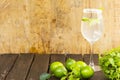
x,y
69,62
60,72
54,65
78,64
87,72
81,64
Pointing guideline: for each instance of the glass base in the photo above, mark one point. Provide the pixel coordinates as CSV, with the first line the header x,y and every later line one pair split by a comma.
x,y
95,68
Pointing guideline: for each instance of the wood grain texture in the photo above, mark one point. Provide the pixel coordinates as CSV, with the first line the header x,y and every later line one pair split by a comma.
x,y
53,26
6,64
40,65
21,67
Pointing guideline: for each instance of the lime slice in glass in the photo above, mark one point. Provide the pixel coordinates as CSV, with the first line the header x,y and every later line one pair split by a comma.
x,y
86,19
91,21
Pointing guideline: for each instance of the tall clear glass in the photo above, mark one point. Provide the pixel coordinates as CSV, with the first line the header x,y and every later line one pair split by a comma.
x,y
92,28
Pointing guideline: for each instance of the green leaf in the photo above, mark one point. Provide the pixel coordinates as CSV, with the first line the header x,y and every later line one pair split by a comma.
x,y
64,78
111,61
72,76
45,76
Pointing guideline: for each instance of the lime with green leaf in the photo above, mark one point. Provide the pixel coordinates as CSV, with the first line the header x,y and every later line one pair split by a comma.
x,y
72,70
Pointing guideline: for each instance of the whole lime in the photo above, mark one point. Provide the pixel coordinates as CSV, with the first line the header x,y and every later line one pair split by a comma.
x,y
54,65
81,64
69,62
78,64
87,72
60,72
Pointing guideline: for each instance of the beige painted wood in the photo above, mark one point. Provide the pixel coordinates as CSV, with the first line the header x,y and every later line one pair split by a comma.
x,y
53,26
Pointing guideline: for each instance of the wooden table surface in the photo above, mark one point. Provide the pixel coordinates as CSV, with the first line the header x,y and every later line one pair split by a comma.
x,y
30,66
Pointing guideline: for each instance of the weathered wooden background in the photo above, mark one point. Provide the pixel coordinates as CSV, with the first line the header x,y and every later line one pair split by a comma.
x,y
53,26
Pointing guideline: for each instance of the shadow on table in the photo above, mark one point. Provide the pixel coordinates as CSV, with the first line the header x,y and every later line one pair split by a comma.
x,y
99,75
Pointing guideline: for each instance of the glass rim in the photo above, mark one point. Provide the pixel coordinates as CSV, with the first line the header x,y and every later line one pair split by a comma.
x,y
92,10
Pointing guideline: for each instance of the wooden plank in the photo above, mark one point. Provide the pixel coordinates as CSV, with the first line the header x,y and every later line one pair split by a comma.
x,y
6,63
21,67
75,56
39,66
57,57
99,75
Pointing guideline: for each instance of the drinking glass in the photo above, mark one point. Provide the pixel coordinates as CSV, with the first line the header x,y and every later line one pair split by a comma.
x,y
92,28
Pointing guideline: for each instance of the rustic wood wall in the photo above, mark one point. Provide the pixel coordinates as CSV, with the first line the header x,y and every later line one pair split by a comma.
x,y
53,26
